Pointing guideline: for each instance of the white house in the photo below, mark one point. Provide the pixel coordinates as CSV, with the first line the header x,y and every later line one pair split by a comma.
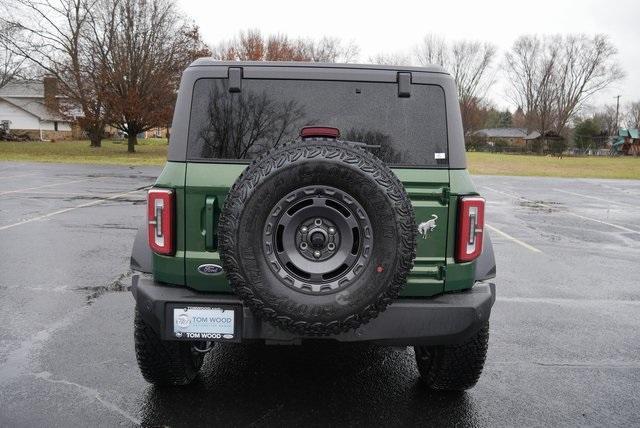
x,y
30,107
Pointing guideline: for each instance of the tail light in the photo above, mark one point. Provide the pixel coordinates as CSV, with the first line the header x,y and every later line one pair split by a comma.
x,y
470,228
161,216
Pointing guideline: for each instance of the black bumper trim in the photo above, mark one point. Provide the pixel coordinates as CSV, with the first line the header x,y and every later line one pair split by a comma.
x,y
444,319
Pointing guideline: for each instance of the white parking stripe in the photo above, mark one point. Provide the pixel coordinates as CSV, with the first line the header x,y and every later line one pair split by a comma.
x,y
17,176
87,204
569,301
625,191
28,193
596,198
542,204
46,185
516,240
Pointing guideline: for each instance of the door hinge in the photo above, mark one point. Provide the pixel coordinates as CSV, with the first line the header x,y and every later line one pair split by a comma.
x,y
404,85
235,79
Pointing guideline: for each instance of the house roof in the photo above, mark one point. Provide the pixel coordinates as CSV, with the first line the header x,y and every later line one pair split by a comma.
x,y
547,135
501,133
532,136
23,88
35,108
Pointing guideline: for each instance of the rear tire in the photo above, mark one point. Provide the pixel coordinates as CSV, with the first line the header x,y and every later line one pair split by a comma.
x,y
456,367
164,362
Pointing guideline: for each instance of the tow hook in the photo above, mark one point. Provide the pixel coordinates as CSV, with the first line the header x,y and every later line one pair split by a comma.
x,y
208,347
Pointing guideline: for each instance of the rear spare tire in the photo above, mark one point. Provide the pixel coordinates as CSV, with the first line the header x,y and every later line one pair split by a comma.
x,y
317,237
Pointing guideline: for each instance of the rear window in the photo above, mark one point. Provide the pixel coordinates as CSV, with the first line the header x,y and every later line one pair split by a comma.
x,y
227,126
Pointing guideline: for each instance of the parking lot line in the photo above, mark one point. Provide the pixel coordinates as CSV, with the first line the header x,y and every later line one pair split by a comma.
x,y
46,185
86,204
516,240
564,301
625,191
17,176
542,204
27,193
582,195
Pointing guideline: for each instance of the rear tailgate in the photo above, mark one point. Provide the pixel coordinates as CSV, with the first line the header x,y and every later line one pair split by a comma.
x,y
208,184
428,190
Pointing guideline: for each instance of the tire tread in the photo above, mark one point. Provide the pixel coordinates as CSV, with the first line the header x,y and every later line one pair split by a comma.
x,y
295,152
455,367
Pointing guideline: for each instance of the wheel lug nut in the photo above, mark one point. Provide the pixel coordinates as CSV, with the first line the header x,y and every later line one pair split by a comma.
x,y
332,230
331,246
304,229
318,222
316,254
303,245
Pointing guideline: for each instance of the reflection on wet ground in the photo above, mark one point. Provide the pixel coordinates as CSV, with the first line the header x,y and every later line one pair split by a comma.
x,y
564,340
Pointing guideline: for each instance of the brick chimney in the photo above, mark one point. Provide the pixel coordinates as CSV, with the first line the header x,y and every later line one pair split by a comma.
x,y
50,93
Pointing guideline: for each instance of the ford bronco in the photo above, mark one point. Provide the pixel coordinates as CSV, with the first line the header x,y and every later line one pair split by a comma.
x,y
314,201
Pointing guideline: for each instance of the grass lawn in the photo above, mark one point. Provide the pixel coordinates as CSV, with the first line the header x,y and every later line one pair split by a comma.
x,y
547,166
154,152
148,152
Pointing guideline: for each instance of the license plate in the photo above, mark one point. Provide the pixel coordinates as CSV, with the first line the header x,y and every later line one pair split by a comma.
x,y
204,323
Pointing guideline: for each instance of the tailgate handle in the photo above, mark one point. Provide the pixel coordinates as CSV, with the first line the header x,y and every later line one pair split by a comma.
x,y
211,215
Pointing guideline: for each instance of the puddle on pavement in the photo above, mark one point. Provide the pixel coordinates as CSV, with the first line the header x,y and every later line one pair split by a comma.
x,y
114,226
140,201
542,206
150,178
632,235
120,284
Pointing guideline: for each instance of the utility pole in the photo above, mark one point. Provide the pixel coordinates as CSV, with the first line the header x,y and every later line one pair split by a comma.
x,y
617,97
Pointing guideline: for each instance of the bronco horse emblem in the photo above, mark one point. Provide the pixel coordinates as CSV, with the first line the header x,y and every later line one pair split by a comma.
x,y
426,227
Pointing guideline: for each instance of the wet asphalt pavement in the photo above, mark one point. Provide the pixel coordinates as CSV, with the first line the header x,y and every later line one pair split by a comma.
x,y
565,330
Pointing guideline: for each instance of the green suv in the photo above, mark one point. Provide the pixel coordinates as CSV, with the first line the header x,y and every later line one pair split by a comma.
x,y
314,201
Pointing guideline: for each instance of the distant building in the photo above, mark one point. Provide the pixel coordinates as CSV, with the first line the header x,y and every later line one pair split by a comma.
x,y
511,137
537,142
32,107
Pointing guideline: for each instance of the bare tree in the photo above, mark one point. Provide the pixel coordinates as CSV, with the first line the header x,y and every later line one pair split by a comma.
x,y
432,50
332,49
470,64
530,71
279,47
248,46
397,58
587,66
12,66
633,115
606,118
145,46
551,77
54,35
251,45
245,125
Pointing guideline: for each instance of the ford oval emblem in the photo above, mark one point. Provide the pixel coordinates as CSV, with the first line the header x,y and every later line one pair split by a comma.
x,y
210,269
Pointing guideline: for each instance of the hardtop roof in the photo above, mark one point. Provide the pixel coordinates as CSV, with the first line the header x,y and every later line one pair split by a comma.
x,y
204,62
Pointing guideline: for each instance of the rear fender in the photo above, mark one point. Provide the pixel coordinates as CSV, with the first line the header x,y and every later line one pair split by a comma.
x,y
141,255
486,263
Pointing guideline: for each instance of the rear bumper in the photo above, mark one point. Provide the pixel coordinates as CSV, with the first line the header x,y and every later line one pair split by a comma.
x,y
441,320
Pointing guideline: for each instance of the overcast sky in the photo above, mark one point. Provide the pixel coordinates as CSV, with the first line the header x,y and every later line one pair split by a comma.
x,y
394,26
